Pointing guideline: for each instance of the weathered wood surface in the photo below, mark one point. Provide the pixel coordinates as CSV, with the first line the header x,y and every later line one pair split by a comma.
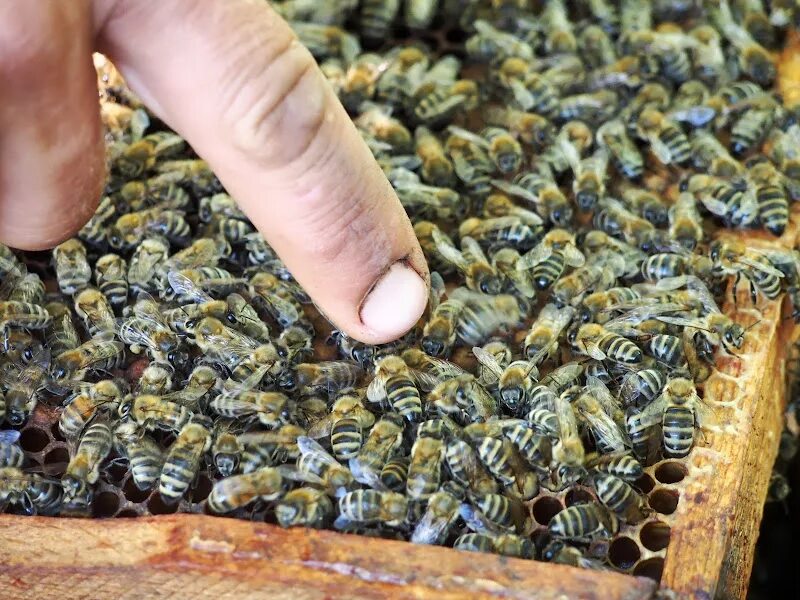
x,y
196,556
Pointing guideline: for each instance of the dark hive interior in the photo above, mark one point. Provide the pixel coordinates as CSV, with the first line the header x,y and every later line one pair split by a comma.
x,y
687,87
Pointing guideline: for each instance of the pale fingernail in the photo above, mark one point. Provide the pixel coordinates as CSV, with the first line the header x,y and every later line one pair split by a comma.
x,y
395,302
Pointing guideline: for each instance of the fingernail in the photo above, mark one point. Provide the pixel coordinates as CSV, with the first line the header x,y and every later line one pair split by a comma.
x,y
395,302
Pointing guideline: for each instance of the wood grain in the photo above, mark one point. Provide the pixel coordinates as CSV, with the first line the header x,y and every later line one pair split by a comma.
x,y
197,556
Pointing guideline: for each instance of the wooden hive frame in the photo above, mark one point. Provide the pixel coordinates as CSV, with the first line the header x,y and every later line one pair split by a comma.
x,y
713,529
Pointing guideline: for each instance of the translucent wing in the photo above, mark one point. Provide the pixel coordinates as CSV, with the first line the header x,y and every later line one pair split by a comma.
x,y
603,395
376,390
696,116
431,527
308,446
183,286
469,245
522,95
425,381
488,360
9,436
605,431
570,152
468,135
448,252
533,257
759,266
437,291
515,190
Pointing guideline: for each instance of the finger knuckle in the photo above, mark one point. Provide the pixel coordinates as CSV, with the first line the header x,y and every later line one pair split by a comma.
x,y
276,104
26,52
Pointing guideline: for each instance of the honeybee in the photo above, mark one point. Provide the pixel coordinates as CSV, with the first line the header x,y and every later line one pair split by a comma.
x,y
467,151
144,455
110,275
153,412
145,329
439,517
666,265
360,80
589,278
93,307
270,408
595,306
425,201
83,470
498,232
531,128
395,473
304,507
94,232
560,553
219,205
591,107
623,152
551,256
344,424
594,340
72,269
489,44
466,467
329,376
439,105
201,382
515,381
595,46
11,454
598,408
463,392
222,343
22,393
327,41
399,386
737,207
319,467
375,120
268,448
754,60
383,439
35,493
202,252
365,507
436,166
130,228
471,261
505,544
193,173
425,467
583,522
226,449
22,314
616,220
182,461
505,261
667,141
540,189
679,410
84,405
639,388
60,334
733,257
148,255
619,497
770,193
237,491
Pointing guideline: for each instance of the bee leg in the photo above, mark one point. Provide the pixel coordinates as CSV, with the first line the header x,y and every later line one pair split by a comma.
x,y
753,293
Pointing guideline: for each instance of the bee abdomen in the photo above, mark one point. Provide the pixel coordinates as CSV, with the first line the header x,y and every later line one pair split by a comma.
x,y
404,397
548,271
346,438
621,350
678,424
678,144
667,349
773,208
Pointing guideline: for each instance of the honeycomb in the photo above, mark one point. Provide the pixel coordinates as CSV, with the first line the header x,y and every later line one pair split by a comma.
x,y
638,549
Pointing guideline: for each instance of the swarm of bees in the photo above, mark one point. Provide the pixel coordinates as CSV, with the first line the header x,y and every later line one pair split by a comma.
x,y
565,167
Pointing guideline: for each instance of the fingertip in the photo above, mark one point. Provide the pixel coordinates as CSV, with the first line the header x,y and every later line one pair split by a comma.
x,y
393,305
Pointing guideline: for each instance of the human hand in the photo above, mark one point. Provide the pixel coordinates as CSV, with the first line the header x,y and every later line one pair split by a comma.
x,y
230,77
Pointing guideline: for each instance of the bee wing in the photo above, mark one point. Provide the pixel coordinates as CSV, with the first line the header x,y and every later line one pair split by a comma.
x,y
522,95
705,415
696,116
681,321
521,281
469,244
306,445
251,381
535,256
487,360
570,152
567,423
573,256
759,266
604,429
714,206
183,286
425,381
468,135
376,390
431,527
445,247
483,401
695,284
514,190
437,291
603,395
9,436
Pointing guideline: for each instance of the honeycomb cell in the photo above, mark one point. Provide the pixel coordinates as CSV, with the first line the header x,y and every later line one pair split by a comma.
x,y
664,501
127,514
578,495
56,461
157,506
651,567
545,508
644,484
133,493
671,472
105,504
456,36
624,552
56,433
202,489
33,439
655,535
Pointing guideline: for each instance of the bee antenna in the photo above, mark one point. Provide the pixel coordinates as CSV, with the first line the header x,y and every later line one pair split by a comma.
x,y
749,327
